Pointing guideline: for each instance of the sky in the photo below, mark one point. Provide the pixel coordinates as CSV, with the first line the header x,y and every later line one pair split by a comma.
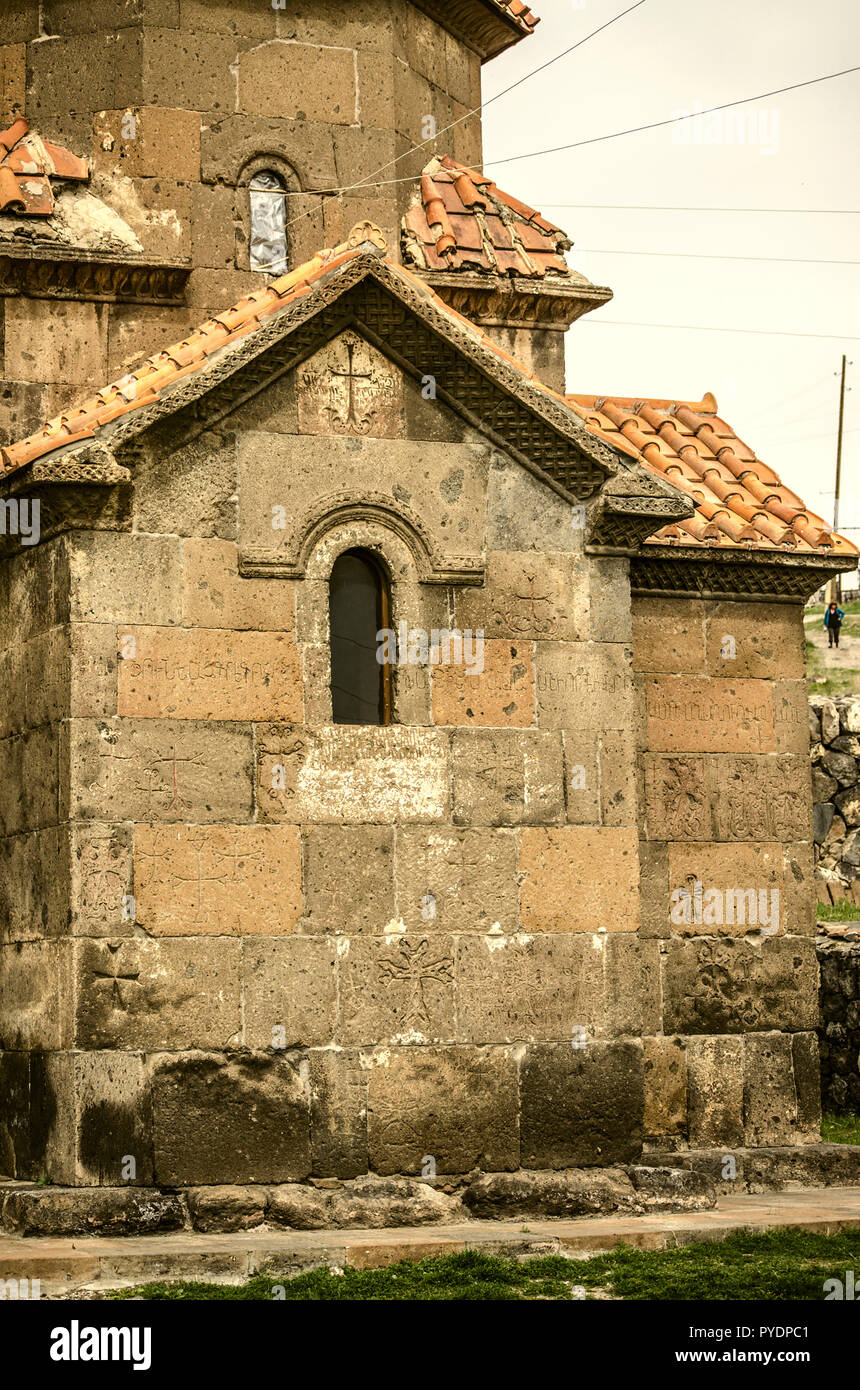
x,y
798,150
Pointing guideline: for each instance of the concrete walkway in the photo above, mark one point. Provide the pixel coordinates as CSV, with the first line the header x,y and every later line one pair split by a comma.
x,y
91,1264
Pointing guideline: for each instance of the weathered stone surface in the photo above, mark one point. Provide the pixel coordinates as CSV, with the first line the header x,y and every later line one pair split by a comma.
x,y
36,995
33,875
202,1104
288,992
581,1107
372,1203
338,1082
215,596
577,879
563,1194
731,888
584,685
529,988
501,696
396,989
456,880
218,880
523,514
665,1079
668,635
812,1165
299,80
715,1093
690,714
523,600
227,1208
725,797
672,1189
462,1109
352,774
120,578
770,1100
85,1211
109,1099
298,1208
756,984
208,674
760,640
503,778
175,992
349,878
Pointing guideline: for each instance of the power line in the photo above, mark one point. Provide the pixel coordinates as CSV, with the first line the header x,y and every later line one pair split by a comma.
x,y
656,207
703,256
674,120
708,328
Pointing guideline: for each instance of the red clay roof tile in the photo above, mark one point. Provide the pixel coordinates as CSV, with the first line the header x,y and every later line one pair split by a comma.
x,y
739,501
27,166
460,220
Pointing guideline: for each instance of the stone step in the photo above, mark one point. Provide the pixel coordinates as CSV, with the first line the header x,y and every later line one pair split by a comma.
x,y
87,1267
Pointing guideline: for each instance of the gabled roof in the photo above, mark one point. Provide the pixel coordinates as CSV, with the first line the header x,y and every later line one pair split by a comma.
x,y
574,451
460,220
27,165
487,26
740,502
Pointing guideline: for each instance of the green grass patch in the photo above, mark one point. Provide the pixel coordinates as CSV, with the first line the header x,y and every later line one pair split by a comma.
x,y
843,911
773,1265
840,1129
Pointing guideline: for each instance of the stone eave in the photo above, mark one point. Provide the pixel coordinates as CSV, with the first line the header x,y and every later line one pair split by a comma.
x,y
516,301
61,272
487,30
754,575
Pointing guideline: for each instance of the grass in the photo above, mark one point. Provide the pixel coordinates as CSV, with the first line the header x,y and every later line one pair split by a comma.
x,y
773,1265
843,911
840,1129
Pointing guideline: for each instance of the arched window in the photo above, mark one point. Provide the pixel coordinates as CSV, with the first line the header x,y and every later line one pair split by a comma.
x,y
359,606
267,192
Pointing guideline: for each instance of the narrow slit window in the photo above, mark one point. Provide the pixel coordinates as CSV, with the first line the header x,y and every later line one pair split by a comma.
x,y
268,197
359,607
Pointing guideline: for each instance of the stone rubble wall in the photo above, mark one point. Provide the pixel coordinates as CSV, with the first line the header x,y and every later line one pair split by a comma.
x,y
834,731
839,1033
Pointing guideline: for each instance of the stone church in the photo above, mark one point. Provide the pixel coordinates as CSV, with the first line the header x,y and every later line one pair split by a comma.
x,y
529,887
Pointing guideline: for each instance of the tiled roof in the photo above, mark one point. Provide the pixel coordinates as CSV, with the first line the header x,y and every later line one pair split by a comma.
x,y
740,502
520,12
460,220
27,165
145,385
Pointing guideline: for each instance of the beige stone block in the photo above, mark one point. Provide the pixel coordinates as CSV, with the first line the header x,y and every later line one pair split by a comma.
x,y
117,577
239,880
729,889
349,878
502,695
669,635
92,670
158,210
456,880
582,777
192,488
665,1086
524,597
632,975
214,225
690,714
298,80
350,773
791,716
101,887
755,639
397,989
715,1068
740,985
158,770
351,388
30,785
770,1099
113,1118
173,993
501,777
338,1112
798,903
579,879
610,605
15,713
722,797
216,595
529,989
208,674
35,996
148,142
37,586
189,69
618,777
437,488
289,992
654,888
34,885
583,686
71,339
524,514
133,328
463,1109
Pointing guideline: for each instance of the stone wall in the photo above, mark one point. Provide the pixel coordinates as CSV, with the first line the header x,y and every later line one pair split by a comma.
x,y
839,1033
834,731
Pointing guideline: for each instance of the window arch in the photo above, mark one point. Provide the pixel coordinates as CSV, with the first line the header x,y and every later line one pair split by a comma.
x,y
359,606
267,194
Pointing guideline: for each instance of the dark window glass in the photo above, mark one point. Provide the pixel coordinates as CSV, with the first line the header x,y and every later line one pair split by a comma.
x,y
358,608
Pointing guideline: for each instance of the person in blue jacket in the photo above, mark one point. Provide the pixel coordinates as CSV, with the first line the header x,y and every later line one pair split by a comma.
x,y
833,617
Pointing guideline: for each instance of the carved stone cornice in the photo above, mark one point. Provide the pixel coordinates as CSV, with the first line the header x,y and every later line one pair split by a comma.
x,y
55,274
517,302
746,576
480,24
630,507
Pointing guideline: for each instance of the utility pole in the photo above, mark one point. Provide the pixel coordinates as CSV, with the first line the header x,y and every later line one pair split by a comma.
x,y
839,468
